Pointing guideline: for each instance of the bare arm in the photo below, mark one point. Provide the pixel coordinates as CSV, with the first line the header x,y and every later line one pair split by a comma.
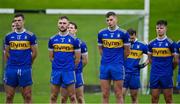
x,y
51,55
34,52
175,60
100,50
6,53
150,58
77,57
126,50
84,59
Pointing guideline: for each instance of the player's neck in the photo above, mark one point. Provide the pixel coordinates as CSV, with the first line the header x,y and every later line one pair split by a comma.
x,y
19,31
63,33
161,37
113,28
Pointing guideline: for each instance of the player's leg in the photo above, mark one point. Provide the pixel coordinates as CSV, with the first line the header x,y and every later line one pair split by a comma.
x,y
124,93
54,93
79,88
168,93
10,92
55,82
27,94
25,82
64,95
71,93
105,88
10,83
80,95
126,85
118,85
155,88
134,86
155,95
69,81
117,74
134,95
167,86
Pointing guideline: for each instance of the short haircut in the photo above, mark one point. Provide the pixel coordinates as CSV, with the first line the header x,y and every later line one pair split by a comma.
x,y
162,22
110,14
19,15
131,31
63,17
73,24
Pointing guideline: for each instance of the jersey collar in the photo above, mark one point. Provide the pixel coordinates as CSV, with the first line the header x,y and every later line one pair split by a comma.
x,y
20,32
117,27
63,35
162,38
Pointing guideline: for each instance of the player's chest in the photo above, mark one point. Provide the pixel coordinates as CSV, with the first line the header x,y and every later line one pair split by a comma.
x,y
161,44
63,40
19,38
111,35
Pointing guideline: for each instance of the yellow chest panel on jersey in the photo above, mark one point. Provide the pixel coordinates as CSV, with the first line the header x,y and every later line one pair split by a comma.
x,y
135,54
161,52
63,47
112,43
19,45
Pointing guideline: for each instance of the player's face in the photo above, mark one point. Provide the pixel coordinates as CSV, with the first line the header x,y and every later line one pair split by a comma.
x,y
72,29
19,23
111,21
160,30
132,37
13,26
62,25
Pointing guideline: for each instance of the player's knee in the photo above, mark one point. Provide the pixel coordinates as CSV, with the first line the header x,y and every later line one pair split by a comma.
x,y
155,99
9,97
54,97
72,98
64,99
105,95
80,99
168,99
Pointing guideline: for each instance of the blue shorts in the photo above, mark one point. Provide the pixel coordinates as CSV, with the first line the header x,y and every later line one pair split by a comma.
x,y
79,81
163,82
62,77
131,81
178,82
18,77
112,72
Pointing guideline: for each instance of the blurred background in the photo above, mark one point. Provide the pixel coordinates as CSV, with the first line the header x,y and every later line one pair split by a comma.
x,y
45,26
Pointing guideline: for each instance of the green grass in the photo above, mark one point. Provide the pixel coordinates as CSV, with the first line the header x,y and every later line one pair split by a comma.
x,y
89,98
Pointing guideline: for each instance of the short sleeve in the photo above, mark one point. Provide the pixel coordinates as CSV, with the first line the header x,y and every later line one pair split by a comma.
x,y
99,39
174,48
145,49
50,45
77,46
33,40
126,39
84,49
6,41
149,48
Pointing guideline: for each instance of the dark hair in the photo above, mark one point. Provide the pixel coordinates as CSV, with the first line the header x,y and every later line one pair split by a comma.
x,y
19,15
73,24
162,22
63,17
131,31
110,14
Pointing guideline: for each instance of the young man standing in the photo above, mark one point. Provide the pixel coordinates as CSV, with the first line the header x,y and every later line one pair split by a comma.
x,y
132,66
163,57
72,28
114,46
20,52
64,53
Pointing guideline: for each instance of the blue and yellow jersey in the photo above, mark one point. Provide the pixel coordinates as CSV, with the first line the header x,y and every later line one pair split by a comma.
x,y
178,46
112,42
63,47
20,48
136,53
162,51
84,51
